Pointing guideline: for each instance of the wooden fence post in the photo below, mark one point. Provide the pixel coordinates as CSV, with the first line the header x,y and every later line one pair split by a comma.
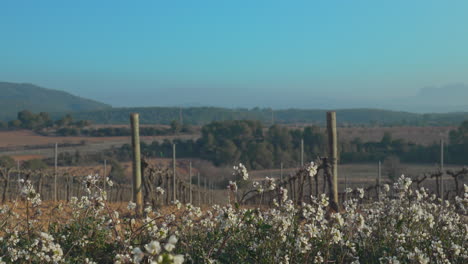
x,y
55,172
442,169
333,153
302,152
212,193
104,182
378,180
206,192
199,191
137,194
281,171
174,190
190,182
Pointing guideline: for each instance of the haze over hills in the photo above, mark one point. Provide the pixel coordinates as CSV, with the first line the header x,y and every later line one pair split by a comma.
x,y
440,99
447,98
15,97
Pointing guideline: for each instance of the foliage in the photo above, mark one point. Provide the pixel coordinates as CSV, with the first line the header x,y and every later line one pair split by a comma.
x,y
205,115
411,227
41,121
460,136
244,141
248,142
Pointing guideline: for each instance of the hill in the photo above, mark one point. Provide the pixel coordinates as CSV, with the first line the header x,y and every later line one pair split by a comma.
x,y
447,98
204,115
15,97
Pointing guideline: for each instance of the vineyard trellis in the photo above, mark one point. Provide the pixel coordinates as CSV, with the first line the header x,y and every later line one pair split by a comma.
x,y
160,185
70,183
301,186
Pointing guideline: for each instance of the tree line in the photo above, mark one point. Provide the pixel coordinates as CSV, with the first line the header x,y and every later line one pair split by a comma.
x,y
175,128
38,122
43,124
206,115
230,142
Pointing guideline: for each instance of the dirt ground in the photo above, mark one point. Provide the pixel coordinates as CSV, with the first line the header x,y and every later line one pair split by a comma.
x,y
24,143
29,138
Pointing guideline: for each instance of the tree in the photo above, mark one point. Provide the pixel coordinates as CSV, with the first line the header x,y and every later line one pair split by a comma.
x,y
82,123
175,127
386,140
14,123
27,118
460,136
228,153
261,156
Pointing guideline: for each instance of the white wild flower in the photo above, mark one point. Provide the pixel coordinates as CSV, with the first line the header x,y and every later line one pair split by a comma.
x,y
312,169
131,205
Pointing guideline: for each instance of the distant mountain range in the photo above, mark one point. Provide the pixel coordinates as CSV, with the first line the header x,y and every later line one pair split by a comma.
x,y
15,97
447,98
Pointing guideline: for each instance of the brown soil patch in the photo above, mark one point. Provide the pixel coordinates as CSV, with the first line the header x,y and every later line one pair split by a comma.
x,y
29,138
26,157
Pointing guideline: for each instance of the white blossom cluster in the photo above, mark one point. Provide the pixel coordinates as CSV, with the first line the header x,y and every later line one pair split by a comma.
x,y
232,186
240,171
153,253
266,185
412,226
29,193
312,169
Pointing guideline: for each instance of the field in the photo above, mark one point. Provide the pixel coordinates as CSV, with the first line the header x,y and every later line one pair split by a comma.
x,y
419,135
232,216
25,142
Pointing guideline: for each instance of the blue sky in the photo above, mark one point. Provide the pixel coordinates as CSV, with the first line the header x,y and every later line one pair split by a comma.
x,y
234,53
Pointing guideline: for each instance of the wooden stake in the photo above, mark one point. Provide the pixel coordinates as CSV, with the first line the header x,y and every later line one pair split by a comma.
x,y
199,191
190,182
206,192
137,194
55,172
174,196
442,169
302,152
281,171
333,152
104,182
379,173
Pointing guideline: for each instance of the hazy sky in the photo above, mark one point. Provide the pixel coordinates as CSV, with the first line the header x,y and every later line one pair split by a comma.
x,y
234,53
